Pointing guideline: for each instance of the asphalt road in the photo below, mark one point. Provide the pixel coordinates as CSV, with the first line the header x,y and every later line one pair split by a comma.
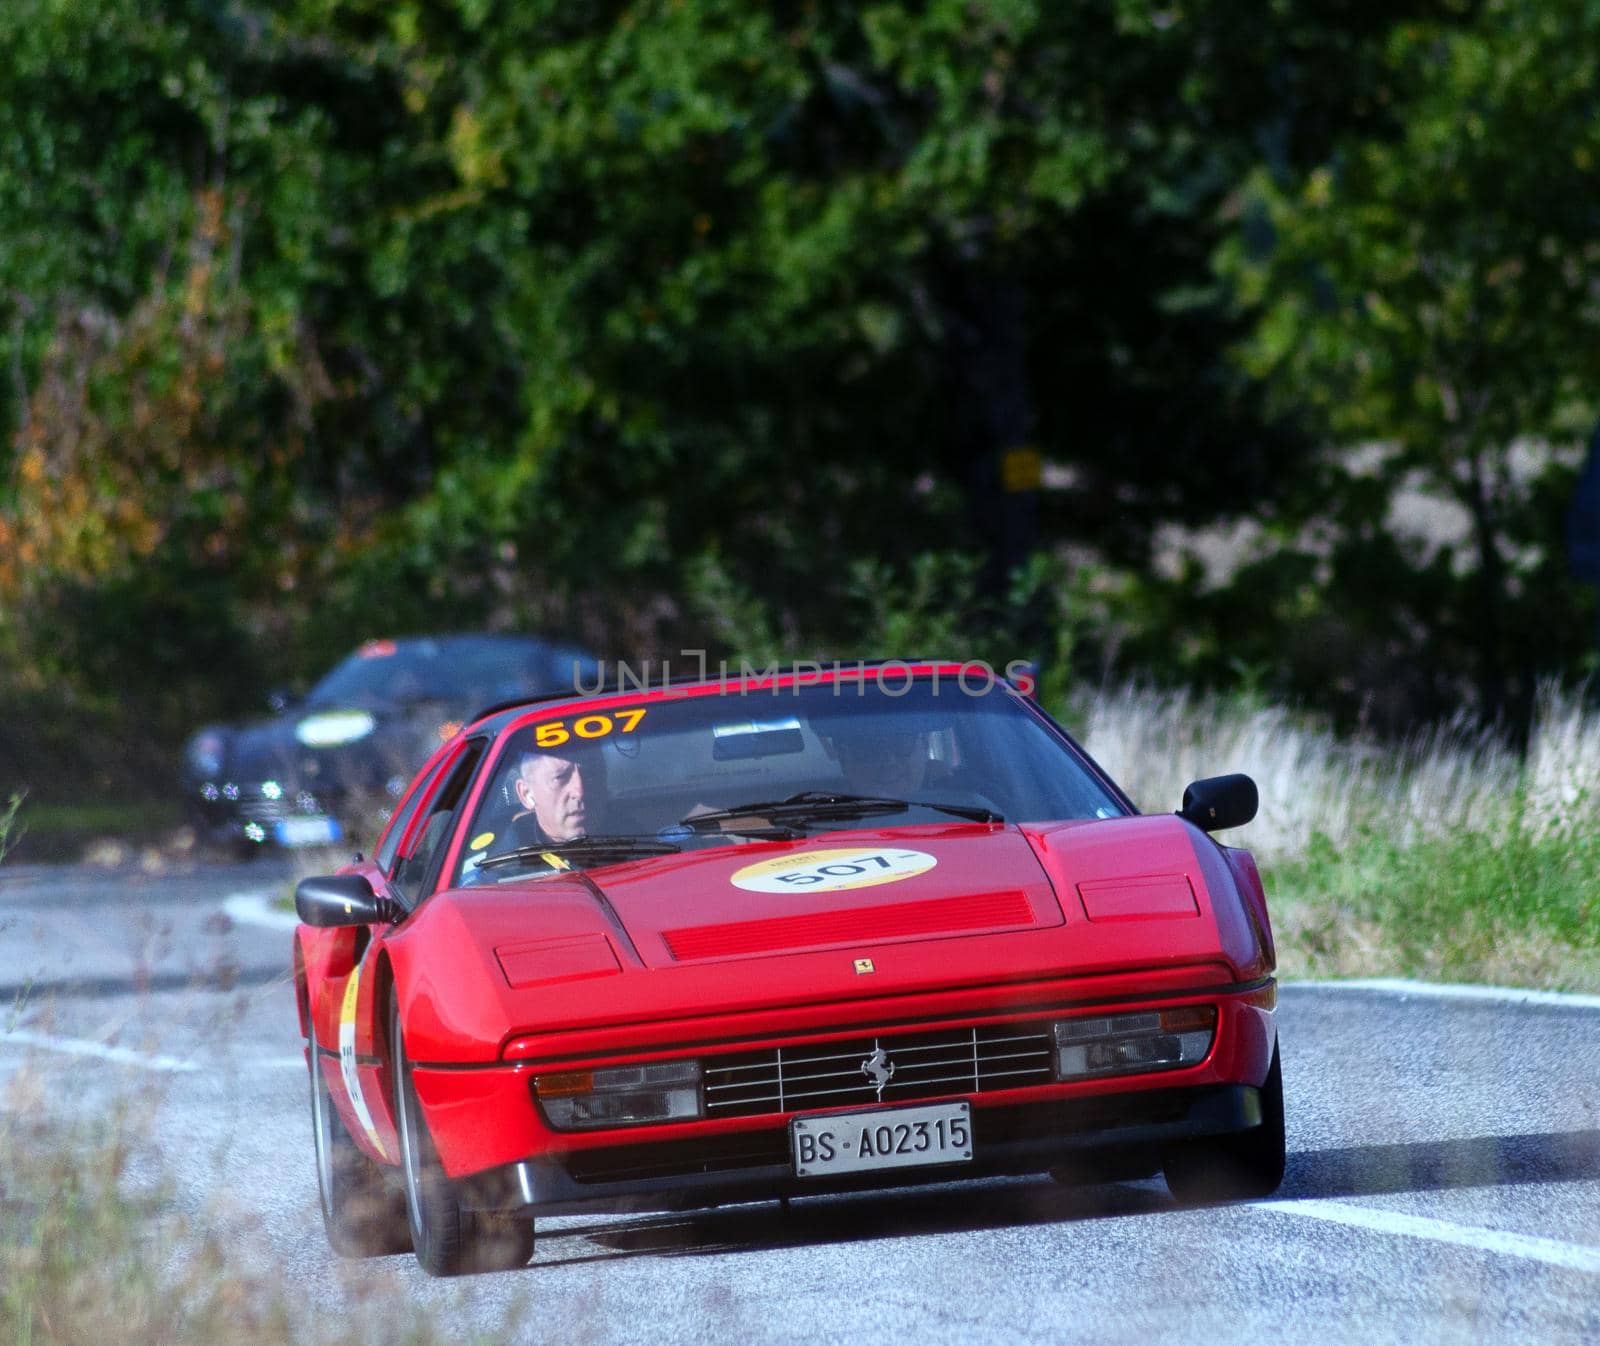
x,y
1444,1171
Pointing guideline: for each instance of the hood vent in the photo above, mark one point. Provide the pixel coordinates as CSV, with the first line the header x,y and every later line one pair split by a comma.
x,y
860,925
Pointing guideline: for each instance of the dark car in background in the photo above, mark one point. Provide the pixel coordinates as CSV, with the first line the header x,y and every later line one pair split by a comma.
x,y
331,764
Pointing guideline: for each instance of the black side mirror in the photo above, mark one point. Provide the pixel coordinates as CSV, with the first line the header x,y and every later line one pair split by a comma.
x,y
342,899
1220,801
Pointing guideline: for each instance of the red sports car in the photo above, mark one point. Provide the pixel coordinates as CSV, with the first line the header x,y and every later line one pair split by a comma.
x,y
785,933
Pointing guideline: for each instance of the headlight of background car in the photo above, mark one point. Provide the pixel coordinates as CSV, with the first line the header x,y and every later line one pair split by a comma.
x,y
205,753
334,728
576,1100
1120,1044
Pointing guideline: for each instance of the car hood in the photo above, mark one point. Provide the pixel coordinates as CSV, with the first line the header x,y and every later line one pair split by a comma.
x,y
263,750
883,886
968,904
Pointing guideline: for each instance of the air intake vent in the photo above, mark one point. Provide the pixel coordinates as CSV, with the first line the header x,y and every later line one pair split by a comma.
x,y
920,1065
861,925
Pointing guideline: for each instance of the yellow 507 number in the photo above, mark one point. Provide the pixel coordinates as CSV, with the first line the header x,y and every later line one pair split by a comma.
x,y
554,733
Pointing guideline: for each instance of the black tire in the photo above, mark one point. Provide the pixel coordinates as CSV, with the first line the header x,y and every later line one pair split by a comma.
x,y
1239,1167
363,1207
449,1240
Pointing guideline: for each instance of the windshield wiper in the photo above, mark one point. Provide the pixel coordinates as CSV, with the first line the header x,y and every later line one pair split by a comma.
x,y
585,848
820,806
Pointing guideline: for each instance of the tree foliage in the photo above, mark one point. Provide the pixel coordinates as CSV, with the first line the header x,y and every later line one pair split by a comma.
x,y
699,321
1436,295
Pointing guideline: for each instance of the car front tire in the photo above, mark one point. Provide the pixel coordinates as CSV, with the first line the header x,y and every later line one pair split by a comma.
x,y
449,1240
1239,1167
363,1209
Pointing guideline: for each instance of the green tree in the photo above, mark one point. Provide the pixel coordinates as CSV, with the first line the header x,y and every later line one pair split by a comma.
x,y
592,315
1432,294
765,278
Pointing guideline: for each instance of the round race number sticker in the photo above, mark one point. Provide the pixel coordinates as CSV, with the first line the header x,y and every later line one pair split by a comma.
x,y
829,871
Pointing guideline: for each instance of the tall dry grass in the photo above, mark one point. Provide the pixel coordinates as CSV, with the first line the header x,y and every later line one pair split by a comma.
x,y
1442,781
1448,855
91,1255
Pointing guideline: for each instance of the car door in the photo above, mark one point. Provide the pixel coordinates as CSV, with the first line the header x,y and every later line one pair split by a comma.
x,y
404,871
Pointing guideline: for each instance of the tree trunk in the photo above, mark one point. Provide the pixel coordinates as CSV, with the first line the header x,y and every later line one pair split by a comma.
x,y
1491,585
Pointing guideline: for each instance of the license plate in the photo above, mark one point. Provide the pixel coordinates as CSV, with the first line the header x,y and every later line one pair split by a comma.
x,y
306,831
855,1142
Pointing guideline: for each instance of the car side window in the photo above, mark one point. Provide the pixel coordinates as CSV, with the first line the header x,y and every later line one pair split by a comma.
x,y
411,877
396,832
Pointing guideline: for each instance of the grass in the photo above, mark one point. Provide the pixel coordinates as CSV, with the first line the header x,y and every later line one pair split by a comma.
x,y
1518,908
111,816
305,864
88,1256
56,831
8,818
1448,856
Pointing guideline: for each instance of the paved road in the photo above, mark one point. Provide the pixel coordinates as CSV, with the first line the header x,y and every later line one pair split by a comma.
x,y
1444,1174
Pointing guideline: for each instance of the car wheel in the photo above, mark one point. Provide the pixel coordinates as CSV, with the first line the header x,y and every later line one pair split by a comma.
x,y
363,1208
1241,1166
447,1238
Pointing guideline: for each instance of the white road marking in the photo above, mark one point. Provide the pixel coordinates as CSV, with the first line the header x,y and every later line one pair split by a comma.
x,y
1505,995
1572,1256
254,907
26,1037
234,1064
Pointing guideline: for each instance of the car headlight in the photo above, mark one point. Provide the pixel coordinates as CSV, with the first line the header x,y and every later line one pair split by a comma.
x,y
1122,1044
205,753
578,1100
334,728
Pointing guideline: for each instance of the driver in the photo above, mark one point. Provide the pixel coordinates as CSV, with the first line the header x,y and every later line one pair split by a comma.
x,y
554,799
557,794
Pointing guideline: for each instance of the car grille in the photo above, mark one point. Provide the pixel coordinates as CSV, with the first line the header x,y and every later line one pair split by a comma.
x,y
256,807
833,1074
265,810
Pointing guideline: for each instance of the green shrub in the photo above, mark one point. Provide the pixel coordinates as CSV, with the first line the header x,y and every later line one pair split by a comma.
x,y
1517,904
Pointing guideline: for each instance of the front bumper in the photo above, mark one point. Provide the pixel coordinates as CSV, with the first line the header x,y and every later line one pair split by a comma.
x,y
1086,1139
491,1136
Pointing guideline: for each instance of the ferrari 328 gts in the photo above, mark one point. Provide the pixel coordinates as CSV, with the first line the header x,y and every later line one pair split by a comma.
x,y
787,933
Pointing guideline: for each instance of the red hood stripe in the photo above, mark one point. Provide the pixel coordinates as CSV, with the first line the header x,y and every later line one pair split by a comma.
x,y
860,925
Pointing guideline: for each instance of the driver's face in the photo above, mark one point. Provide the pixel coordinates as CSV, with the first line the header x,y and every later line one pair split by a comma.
x,y
885,762
553,788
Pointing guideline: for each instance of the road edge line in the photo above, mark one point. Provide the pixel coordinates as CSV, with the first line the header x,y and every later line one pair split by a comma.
x,y
122,1056
253,906
1507,995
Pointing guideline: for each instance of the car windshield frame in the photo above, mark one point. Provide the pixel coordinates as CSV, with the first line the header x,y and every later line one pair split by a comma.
x,y
762,699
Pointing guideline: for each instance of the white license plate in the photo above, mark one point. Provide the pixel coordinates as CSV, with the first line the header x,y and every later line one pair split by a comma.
x,y
306,831
854,1142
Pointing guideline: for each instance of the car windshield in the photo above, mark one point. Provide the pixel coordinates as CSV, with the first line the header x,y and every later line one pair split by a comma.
x,y
469,671
581,790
